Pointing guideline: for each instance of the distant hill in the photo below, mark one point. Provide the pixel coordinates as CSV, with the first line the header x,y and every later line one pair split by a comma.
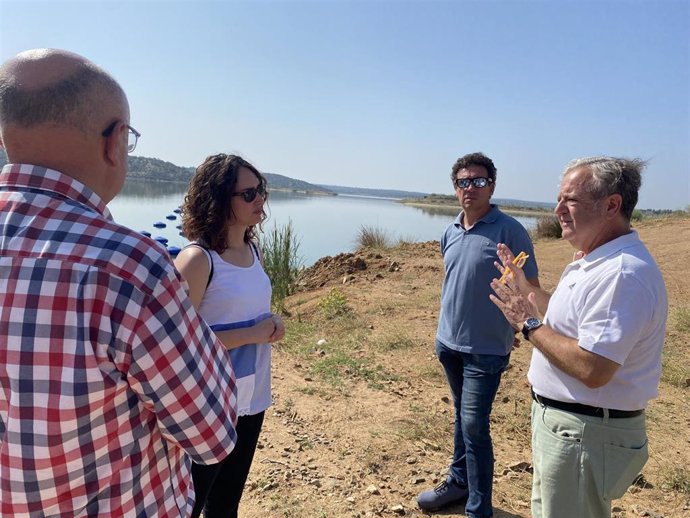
x,y
156,170
285,183
153,169
378,193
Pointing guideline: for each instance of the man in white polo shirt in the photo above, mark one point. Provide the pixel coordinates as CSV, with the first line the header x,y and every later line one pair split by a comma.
x,y
597,354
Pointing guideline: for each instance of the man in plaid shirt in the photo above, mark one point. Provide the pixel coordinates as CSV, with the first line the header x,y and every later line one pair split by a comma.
x,y
110,384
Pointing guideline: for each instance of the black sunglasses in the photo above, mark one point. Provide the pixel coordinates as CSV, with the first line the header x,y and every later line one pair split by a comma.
x,y
479,183
249,195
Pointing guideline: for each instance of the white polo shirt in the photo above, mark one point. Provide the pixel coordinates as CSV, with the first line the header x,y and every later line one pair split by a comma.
x,y
613,301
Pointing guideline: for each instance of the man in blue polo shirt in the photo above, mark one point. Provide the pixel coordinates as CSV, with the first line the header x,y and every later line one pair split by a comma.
x,y
474,340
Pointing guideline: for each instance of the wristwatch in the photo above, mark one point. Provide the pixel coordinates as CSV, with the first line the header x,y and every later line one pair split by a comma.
x,y
530,324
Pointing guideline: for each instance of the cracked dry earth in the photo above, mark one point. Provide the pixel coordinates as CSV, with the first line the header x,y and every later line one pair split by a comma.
x,y
362,420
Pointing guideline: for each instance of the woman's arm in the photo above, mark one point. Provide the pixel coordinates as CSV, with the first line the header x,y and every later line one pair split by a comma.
x,y
260,333
192,263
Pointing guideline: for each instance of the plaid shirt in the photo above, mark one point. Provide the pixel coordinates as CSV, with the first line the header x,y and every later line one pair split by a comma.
x,y
110,384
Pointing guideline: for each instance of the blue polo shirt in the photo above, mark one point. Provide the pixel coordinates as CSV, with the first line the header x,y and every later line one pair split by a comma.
x,y
469,321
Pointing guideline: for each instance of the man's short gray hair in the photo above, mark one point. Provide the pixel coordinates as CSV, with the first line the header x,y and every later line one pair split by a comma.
x,y
612,175
71,101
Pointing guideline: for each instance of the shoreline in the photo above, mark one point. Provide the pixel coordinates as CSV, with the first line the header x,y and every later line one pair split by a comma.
x,y
454,208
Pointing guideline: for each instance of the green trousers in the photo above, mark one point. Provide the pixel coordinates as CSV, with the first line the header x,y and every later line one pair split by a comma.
x,y
582,463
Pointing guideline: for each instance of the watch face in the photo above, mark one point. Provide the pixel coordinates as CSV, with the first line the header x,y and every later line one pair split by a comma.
x,y
532,322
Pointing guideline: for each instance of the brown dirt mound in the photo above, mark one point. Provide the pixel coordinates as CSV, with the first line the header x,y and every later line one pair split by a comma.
x,y
363,264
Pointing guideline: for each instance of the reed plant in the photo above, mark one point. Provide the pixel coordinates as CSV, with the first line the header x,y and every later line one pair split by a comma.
x,y
372,237
282,262
547,227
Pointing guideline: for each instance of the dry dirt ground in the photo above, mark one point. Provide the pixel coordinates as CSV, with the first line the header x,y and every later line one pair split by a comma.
x,y
362,420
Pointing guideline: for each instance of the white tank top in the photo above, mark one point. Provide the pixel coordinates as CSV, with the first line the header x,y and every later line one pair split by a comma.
x,y
239,297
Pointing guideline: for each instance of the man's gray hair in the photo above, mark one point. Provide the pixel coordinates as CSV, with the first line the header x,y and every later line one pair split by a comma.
x,y
71,101
612,175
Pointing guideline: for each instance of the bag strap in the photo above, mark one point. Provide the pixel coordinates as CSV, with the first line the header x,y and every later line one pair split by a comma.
x,y
210,260
256,250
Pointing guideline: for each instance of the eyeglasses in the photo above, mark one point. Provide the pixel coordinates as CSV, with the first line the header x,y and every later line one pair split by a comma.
x,y
132,136
249,195
479,183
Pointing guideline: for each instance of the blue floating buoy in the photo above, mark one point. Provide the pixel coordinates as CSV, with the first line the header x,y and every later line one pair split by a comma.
x,y
159,224
174,250
178,227
146,233
161,239
171,217
182,234
177,211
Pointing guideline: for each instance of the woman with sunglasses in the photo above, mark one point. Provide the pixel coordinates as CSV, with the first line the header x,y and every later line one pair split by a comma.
x,y
229,288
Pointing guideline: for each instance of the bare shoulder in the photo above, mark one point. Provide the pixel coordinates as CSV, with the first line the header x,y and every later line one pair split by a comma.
x,y
192,259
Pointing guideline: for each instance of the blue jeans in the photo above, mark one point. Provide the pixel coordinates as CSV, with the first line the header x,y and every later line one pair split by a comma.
x,y
473,380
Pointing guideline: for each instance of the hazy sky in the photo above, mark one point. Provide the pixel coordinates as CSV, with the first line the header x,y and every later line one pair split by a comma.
x,y
389,94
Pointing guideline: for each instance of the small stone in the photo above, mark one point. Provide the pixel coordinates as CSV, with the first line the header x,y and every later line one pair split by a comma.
x,y
411,460
269,486
350,499
373,490
398,509
321,342
431,445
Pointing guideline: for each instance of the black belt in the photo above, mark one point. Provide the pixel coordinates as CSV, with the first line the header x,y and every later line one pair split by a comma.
x,y
577,408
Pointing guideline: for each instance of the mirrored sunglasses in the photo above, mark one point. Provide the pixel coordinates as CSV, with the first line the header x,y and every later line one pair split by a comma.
x,y
249,195
479,183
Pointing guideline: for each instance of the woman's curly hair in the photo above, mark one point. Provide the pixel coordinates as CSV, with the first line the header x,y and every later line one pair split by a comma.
x,y
206,210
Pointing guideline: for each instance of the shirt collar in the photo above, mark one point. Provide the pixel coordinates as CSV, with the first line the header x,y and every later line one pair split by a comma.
x,y
606,250
489,217
28,176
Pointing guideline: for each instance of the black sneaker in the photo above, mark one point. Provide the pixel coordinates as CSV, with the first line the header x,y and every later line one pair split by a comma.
x,y
447,493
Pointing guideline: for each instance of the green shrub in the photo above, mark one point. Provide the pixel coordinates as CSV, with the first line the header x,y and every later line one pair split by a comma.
x,y
547,227
334,304
372,237
282,262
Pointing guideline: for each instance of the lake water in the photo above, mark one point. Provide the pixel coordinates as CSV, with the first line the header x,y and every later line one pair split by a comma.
x,y
326,225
